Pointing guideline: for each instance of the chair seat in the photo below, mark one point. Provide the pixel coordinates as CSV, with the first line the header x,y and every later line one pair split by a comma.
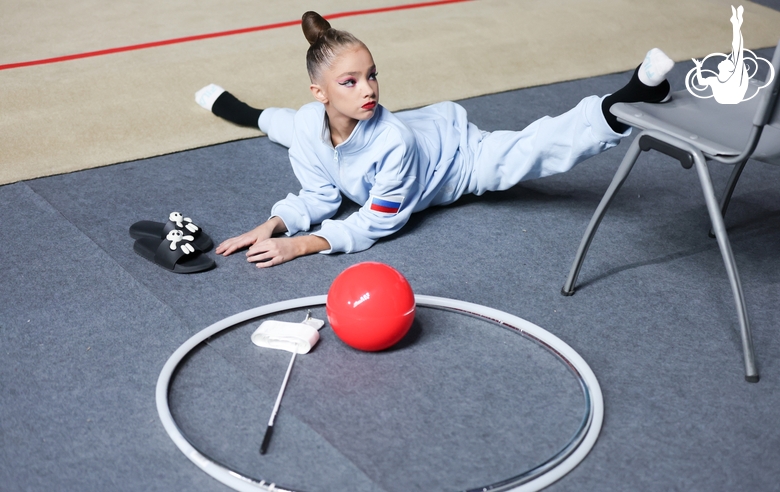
x,y
716,129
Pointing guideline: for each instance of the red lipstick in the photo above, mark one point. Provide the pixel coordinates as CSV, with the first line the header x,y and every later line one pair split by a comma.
x,y
369,105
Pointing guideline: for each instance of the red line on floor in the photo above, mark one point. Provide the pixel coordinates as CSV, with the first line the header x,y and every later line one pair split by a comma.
x,y
199,37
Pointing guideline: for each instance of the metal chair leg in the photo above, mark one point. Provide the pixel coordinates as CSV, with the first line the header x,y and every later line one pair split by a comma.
x,y
732,183
620,176
751,374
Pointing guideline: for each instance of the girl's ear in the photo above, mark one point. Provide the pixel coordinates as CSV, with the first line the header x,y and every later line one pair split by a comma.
x,y
318,93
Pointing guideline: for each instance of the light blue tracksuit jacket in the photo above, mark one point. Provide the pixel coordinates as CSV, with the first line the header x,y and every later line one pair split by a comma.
x,y
397,164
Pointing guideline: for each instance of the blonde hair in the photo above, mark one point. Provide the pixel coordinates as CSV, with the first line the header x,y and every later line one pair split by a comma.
x,y
325,43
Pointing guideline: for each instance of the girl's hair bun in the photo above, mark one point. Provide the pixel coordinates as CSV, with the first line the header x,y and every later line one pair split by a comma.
x,y
325,43
314,26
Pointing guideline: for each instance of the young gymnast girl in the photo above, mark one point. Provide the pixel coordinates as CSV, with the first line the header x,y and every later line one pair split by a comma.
x,y
346,144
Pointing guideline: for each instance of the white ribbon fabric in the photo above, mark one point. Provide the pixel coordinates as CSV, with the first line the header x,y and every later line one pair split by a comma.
x,y
292,337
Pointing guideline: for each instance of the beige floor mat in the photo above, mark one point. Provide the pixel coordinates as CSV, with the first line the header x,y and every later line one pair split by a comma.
x,y
61,117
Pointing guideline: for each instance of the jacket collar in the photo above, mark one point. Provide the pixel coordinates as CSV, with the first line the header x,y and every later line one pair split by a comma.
x,y
360,136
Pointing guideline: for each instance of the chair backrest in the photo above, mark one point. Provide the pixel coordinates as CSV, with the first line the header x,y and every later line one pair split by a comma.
x,y
768,108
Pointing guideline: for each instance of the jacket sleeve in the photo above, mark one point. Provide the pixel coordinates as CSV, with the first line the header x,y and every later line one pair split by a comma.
x,y
319,198
391,200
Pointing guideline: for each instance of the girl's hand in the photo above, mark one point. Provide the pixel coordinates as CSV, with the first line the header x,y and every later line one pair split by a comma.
x,y
272,226
275,251
266,250
230,246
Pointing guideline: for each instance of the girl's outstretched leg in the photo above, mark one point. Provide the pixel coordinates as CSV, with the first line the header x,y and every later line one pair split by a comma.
x,y
648,84
225,105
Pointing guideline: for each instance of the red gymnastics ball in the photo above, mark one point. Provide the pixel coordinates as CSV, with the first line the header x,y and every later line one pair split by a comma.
x,y
370,306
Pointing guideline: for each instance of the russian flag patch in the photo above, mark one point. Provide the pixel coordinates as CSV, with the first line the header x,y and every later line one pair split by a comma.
x,y
387,204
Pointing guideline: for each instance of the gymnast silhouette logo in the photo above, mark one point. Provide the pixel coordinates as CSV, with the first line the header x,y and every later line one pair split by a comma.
x,y
730,85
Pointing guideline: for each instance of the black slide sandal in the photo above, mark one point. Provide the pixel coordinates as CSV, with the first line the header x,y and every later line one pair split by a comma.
x,y
158,230
174,253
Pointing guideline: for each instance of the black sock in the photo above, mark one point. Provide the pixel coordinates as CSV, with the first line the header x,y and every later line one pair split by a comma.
x,y
228,107
634,91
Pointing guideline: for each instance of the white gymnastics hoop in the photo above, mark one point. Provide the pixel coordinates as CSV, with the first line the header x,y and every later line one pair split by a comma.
x,y
532,480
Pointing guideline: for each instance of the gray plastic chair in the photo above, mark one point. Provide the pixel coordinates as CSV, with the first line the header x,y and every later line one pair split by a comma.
x,y
694,130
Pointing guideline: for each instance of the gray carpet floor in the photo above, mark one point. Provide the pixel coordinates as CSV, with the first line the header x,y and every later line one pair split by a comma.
x,y
86,326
